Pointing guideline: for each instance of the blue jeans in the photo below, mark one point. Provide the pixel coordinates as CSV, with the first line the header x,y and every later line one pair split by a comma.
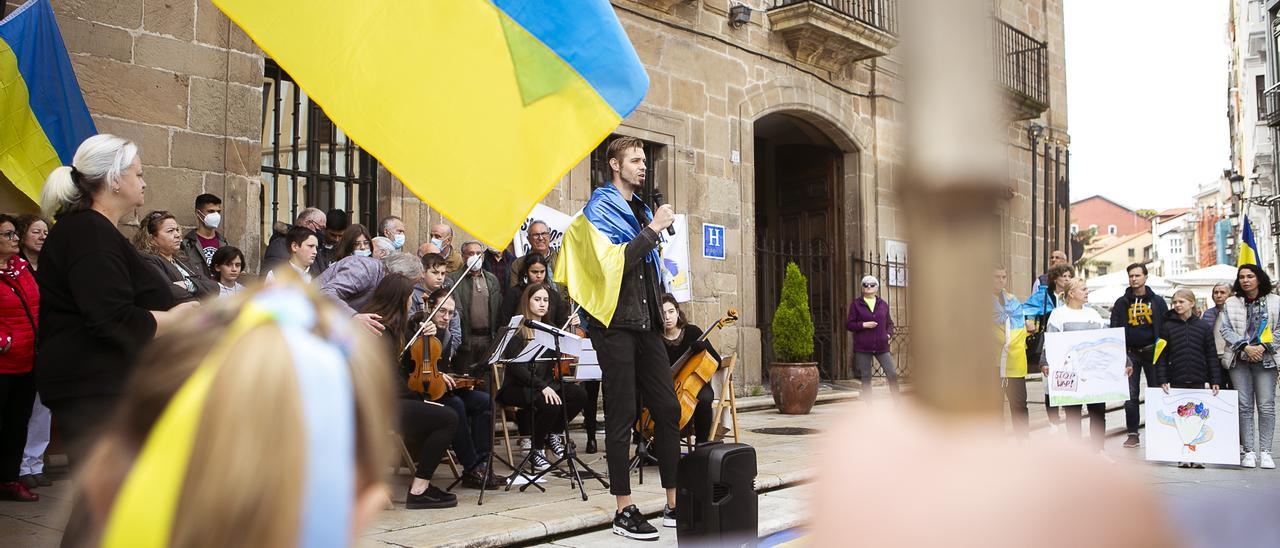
x,y
471,439
1257,388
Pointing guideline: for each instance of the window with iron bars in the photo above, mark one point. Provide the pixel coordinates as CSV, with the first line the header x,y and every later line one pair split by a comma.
x,y
307,161
602,174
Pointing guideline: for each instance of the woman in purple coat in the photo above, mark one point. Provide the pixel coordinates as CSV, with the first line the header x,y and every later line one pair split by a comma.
x,y
871,325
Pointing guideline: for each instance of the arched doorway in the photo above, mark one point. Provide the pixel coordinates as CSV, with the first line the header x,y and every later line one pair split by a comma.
x,y
800,216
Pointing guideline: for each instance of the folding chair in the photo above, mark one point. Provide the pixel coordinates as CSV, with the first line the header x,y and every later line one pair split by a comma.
x,y
727,400
406,458
503,420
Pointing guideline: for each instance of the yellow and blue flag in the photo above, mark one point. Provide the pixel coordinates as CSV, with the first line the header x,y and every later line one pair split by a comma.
x,y
592,253
1248,246
43,118
478,106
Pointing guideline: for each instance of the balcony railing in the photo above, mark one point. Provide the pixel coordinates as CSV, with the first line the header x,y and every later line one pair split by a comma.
x,y
1022,67
881,14
1269,108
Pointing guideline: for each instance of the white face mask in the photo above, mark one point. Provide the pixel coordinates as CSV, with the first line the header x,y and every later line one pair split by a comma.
x,y
213,219
398,241
364,252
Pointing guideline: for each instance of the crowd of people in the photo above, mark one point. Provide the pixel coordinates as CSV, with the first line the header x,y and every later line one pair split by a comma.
x,y
1227,344
83,301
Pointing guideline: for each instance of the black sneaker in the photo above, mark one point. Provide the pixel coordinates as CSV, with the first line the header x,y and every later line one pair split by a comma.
x,y
1132,441
668,516
631,524
431,498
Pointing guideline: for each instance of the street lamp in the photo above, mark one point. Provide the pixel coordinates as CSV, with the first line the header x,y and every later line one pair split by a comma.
x,y
1237,183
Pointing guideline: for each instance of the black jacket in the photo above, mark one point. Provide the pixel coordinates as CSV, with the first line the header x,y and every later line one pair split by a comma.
x,y
96,298
1140,317
201,287
638,303
1190,356
524,380
193,255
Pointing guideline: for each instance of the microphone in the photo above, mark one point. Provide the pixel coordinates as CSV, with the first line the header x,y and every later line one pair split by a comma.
x,y
657,202
539,326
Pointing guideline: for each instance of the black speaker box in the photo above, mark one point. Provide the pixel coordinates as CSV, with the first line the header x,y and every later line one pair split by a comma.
x,y
716,498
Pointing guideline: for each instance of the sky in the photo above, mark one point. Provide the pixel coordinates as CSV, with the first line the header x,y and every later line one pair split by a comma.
x,y
1146,99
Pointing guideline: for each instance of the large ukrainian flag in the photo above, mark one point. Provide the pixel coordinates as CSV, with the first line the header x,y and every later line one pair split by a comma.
x,y
479,107
43,118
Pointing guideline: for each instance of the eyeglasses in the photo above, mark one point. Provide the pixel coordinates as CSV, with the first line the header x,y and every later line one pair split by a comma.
x,y
539,235
870,285
10,235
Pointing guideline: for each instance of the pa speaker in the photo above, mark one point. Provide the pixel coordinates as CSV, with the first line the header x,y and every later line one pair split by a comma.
x,y
716,498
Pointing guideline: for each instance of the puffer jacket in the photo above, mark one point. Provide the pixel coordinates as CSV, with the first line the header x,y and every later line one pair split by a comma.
x,y
1190,356
19,316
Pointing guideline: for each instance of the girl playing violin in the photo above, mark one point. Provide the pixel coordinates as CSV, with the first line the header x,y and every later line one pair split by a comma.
x,y
532,384
679,336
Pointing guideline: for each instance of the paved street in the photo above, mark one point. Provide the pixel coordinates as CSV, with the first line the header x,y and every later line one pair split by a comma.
x,y
559,518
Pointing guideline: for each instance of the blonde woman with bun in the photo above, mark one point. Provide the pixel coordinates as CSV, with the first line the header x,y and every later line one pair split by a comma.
x,y
192,417
100,303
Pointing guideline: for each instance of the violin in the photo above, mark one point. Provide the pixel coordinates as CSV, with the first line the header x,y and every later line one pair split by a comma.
x,y
426,376
691,371
564,367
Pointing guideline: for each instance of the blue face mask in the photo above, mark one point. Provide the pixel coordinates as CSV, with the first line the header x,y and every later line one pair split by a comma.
x,y
437,242
398,241
364,252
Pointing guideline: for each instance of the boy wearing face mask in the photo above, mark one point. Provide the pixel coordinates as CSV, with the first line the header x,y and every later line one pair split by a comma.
x,y
200,243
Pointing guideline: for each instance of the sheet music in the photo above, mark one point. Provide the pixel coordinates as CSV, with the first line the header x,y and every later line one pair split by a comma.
x,y
569,343
529,352
506,339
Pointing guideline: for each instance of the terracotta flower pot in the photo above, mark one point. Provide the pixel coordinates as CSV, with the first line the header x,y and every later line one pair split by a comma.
x,y
794,386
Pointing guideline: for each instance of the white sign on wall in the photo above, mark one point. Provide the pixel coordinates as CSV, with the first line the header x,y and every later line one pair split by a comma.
x,y
556,221
675,261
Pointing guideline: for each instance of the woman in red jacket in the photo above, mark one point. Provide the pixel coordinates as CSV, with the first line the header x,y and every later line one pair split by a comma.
x,y
19,314
871,325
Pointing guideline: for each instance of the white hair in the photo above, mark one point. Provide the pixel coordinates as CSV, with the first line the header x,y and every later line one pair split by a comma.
x,y
404,264
98,162
387,222
384,243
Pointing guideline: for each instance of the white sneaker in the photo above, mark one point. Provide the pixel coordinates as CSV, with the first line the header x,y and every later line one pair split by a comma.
x,y
1106,458
556,445
538,463
1251,461
525,444
1264,461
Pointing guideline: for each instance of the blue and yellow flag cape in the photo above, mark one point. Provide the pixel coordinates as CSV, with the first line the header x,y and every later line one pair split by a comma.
x,y
1248,246
43,118
592,254
460,98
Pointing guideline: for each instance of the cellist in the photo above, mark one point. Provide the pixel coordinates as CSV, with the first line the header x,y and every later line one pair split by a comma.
x,y
679,335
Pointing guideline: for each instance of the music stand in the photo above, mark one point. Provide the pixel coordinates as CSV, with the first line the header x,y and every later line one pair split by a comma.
x,y
495,351
570,457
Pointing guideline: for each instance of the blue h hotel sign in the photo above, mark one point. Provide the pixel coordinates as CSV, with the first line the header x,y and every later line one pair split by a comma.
x,y
713,243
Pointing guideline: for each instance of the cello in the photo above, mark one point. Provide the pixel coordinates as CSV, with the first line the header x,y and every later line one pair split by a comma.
x,y
691,371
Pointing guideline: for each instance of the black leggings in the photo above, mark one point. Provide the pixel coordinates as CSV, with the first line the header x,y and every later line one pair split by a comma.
x,y
80,421
428,430
702,414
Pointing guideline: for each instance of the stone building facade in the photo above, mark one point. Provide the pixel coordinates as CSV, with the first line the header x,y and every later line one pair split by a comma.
x,y
782,127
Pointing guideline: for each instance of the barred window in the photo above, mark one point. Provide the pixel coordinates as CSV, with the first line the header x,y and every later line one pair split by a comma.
x,y
307,161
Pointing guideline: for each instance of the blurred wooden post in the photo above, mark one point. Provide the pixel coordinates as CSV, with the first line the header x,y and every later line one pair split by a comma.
x,y
954,175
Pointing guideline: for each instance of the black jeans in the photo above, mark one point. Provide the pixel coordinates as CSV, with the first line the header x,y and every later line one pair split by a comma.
x,y
475,412
1097,423
80,421
17,395
1141,364
1015,390
428,429
631,360
589,410
549,418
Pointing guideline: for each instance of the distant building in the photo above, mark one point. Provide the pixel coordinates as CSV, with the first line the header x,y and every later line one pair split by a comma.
x,y
1107,217
1113,253
1174,235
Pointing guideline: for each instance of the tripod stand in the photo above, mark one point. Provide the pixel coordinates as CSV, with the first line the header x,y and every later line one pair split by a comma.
x,y
570,457
496,349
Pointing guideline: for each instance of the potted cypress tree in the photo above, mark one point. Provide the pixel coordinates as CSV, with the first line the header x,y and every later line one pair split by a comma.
x,y
793,379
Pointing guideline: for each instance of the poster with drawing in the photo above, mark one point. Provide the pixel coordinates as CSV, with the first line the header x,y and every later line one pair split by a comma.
x,y
1086,366
1193,425
675,261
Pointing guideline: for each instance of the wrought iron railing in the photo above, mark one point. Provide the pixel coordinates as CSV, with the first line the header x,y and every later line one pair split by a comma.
x,y
1269,107
1022,62
881,14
